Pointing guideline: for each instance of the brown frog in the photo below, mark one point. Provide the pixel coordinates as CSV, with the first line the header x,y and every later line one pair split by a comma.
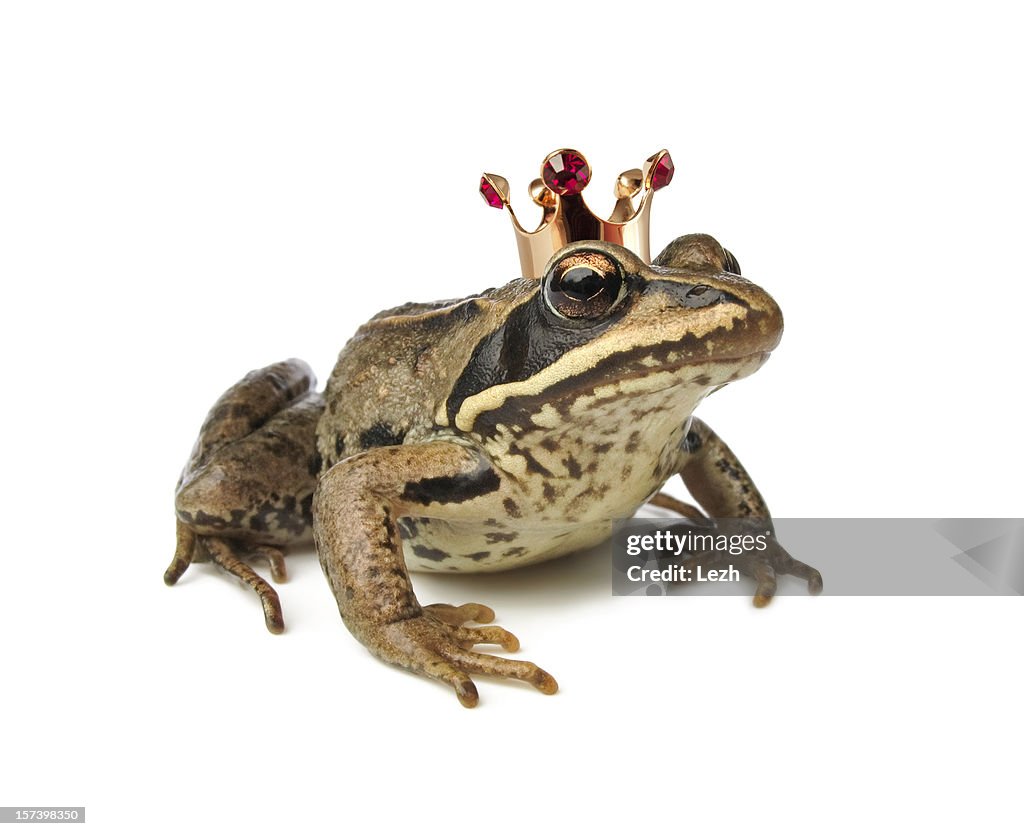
x,y
482,434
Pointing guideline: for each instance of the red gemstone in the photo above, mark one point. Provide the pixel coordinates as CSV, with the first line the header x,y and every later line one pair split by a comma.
x,y
491,194
663,172
566,172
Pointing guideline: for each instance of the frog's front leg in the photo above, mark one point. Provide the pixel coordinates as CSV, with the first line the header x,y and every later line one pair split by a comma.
x,y
722,486
355,510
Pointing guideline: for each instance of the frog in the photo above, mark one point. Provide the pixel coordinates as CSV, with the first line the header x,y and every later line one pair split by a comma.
x,y
483,434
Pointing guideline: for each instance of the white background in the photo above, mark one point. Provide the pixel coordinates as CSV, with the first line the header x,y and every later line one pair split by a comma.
x,y
192,190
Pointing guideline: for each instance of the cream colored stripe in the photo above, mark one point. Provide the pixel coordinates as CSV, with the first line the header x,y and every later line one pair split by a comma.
x,y
571,364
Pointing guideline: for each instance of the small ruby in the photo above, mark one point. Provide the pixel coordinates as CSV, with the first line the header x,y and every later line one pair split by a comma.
x,y
490,194
663,172
566,172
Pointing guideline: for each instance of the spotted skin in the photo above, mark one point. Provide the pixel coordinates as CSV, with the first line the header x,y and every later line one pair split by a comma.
x,y
482,434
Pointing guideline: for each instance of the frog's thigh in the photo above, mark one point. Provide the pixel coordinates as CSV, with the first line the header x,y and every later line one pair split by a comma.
x,y
259,488
248,405
355,510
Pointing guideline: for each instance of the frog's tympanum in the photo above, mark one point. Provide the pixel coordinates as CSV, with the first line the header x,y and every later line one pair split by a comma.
x,y
495,431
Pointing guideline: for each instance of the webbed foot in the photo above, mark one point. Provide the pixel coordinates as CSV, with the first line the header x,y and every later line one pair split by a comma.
x,y
436,645
763,566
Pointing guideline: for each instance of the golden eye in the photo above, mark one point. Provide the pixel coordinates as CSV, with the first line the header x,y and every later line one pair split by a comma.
x,y
584,286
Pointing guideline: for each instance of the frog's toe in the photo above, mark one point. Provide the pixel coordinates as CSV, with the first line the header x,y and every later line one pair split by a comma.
x,y
467,637
439,651
223,556
183,554
791,566
767,583
443,671
473,662
765,571
198,548
275,557
457,616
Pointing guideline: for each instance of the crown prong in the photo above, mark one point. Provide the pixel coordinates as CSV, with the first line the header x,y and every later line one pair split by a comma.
x,y
629,183
658,170
627,187
565,171
542,195
494,190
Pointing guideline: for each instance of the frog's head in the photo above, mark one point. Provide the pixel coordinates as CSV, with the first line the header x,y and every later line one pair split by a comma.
x,y
601,326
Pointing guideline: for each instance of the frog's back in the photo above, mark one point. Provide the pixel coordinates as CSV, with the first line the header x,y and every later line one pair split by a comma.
x,y
399,367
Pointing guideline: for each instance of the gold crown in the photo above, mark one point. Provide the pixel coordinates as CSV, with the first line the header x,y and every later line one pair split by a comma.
x,y
564,174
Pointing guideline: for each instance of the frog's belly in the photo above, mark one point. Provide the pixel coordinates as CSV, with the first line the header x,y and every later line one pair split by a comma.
x,y
576,488
432,545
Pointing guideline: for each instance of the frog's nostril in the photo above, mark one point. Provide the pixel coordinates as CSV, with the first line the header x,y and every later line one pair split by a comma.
x,y
697,290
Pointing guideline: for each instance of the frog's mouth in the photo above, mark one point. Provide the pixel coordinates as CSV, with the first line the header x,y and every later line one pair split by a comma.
x,y
629,359
711,375
693,379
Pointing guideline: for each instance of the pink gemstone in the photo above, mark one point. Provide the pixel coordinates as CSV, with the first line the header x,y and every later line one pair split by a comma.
x,y
566,172
663,172
491,194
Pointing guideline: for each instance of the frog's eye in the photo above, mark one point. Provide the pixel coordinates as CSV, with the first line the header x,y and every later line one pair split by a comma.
x,y
584,286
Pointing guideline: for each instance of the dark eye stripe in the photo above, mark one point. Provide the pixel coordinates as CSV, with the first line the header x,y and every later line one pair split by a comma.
x,y
533,338
530,340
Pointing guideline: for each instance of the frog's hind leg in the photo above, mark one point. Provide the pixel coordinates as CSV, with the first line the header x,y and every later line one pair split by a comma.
x,y
247,406
717,480
248,486
227,555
